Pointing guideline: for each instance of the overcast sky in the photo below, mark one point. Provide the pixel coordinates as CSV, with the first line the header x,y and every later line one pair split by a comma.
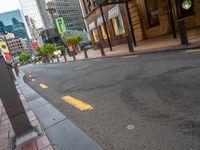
x,y
7,5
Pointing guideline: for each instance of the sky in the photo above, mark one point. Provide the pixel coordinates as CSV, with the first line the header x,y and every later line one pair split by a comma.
x,y
8,5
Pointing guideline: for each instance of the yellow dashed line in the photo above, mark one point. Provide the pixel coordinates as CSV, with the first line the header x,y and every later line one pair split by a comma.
x,y
77,103
192,51
43,86
132,56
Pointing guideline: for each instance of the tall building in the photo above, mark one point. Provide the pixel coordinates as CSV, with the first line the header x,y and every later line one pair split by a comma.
x,y
70,10
32,27
13,22
35,9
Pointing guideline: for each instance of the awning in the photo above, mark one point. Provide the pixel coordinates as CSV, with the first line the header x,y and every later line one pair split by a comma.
x,y
100,21
115,11
92,26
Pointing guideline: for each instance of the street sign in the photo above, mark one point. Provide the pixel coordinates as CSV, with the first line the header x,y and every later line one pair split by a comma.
x,y
60,24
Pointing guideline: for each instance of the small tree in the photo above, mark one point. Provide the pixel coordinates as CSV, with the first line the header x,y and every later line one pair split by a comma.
x,y
49,49
24,57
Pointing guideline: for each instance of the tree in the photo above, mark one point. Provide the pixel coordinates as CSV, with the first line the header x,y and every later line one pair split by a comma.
x,y
24,57
74,40
49,49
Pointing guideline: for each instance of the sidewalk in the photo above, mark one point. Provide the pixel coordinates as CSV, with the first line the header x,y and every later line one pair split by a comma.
x,y
159,44
58,131
6,131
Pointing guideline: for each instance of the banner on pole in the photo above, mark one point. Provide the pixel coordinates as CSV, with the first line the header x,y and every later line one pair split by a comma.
x,y
60,24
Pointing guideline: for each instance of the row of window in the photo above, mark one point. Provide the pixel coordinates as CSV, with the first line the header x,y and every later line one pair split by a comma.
x,y
118,27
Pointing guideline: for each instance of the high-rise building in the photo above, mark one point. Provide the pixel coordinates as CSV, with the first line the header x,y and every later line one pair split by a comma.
x,y
70,10
13,22
32,27
36,10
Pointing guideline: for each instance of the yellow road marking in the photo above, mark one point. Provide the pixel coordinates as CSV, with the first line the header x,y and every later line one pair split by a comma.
x,y
192,51
77,103
43,86
132,56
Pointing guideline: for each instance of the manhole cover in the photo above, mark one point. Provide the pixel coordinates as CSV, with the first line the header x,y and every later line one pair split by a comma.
x,y
130,127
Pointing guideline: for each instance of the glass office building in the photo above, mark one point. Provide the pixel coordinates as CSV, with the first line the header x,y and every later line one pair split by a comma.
x,y
70,10
13,22
36,10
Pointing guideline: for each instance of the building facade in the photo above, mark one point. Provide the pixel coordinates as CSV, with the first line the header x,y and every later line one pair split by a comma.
x,y
142,19
35,9
32,27
18,45
70,11
13,22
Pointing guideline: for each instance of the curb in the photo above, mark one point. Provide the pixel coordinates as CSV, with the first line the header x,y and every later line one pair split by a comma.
x,y
135,53
62,133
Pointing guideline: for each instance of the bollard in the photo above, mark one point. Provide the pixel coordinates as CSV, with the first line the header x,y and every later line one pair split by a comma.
x,y
130,44
21,125
85,52
9,66
57,58
183,33
101,49
74,55
16,69
64,54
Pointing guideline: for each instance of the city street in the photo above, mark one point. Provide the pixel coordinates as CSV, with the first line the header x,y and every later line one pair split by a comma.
x,y
136,102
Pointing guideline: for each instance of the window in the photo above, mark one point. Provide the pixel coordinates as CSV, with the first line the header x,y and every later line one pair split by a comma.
x,y
152,12
103,31
95,35
118,25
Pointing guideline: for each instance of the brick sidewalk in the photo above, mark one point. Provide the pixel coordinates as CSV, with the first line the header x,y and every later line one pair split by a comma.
x,y
6,131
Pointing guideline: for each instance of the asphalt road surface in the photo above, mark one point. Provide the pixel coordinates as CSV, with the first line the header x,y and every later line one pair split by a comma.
x,y
145,102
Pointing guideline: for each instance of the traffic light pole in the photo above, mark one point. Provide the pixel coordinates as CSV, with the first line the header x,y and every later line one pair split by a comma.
x,y
51,11
21,125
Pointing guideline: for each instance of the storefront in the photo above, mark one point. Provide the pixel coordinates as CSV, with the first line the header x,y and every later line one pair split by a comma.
x,y
159,18
114,30
146,19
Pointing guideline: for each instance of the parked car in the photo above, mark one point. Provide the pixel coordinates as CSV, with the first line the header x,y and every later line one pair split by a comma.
x,y
85,45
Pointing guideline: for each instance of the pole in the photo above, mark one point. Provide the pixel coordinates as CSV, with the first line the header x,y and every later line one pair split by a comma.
x,y
105,26
171,19
183,33
21,125
130,23
54,21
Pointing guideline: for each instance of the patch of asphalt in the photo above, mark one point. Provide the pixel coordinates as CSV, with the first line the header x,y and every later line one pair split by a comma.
x,y
62,133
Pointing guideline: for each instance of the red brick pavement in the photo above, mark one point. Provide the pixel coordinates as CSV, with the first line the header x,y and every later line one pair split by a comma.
x,y
6,131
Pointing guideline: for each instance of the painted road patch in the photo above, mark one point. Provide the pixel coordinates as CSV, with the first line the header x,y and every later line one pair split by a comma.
x,y
192,51
82,67
77,103
132,56
44,86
